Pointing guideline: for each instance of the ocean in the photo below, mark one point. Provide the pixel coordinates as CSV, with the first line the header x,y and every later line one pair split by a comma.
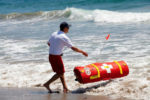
x,y
26,25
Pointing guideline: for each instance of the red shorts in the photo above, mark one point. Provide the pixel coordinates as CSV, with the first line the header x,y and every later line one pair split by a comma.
x,y
57,64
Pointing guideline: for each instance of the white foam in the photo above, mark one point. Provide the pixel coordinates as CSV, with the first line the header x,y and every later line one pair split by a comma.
x,y
76,14
108,16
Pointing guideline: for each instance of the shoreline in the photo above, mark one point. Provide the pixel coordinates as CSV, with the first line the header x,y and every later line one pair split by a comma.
x,y
16,93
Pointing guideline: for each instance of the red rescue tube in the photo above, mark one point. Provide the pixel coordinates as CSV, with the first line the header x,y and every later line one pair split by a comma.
x,y
101,71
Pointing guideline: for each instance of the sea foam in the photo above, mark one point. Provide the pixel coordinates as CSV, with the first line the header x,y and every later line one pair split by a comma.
x,y
96,15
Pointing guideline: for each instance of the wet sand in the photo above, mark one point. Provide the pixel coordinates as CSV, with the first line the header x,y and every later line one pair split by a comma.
x,y
42,94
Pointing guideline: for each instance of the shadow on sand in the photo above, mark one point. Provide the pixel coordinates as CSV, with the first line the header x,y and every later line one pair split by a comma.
x,y
77,91
84,90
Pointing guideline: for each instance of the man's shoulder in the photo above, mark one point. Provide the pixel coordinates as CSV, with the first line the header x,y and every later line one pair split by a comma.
x,y
60,36
64,36
54,33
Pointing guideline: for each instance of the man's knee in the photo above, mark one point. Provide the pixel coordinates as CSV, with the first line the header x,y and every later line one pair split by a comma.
x,y
60,74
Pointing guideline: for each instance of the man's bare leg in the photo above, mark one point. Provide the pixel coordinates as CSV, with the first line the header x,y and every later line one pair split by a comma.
x,y
46,85
62,78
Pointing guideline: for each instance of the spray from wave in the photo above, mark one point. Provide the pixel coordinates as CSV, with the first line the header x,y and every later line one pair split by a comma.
x,y
82,15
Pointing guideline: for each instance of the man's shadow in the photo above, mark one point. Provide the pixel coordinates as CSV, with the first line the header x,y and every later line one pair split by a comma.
x,y
84,90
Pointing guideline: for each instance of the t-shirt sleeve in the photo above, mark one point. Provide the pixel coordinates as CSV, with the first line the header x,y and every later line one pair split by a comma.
x,y
50,38
67,42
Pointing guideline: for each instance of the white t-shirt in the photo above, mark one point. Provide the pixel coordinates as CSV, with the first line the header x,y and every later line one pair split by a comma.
x,y
58,41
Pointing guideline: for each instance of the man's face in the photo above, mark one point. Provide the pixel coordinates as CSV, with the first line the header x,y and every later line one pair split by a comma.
x,y
66,30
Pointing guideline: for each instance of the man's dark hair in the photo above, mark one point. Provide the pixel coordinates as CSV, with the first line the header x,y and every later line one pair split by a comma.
x,y
64,25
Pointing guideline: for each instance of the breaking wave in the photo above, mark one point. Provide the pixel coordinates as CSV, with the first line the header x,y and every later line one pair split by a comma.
x,y
96,15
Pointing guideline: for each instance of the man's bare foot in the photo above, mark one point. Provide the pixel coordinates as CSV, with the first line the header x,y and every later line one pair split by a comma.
x,y
47,87
66,91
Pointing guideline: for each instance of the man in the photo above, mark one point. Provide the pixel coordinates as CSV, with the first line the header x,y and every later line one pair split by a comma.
x,y
57,42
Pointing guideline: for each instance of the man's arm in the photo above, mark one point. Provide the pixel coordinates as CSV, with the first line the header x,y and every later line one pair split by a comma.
x,y
48,43
78,50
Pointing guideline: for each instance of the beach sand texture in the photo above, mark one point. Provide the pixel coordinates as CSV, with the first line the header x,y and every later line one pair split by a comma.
x,y
42,94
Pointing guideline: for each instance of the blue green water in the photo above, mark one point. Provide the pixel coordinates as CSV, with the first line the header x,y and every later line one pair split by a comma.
x,y
25,27
9,6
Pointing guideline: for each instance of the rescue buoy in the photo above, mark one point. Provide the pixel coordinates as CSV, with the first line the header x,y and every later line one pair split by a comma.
x,y
101,71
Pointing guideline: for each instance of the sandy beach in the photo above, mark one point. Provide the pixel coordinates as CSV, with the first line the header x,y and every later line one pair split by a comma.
x,y
42,94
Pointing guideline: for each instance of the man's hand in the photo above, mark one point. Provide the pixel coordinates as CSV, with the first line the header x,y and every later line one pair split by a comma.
x,y
80,51
85,54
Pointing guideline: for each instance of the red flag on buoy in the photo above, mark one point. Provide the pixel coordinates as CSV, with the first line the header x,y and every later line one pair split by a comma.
x,y
107,37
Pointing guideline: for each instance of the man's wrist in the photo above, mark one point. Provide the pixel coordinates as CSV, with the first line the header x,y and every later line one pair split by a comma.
x,y
82,52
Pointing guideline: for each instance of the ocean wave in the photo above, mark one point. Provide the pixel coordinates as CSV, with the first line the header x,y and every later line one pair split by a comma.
x,y
41,14
96,15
